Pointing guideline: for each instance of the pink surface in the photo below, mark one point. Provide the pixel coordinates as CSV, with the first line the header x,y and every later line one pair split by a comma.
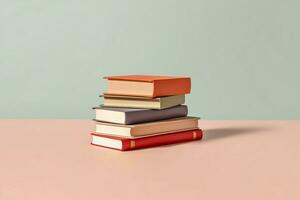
x,y
52,159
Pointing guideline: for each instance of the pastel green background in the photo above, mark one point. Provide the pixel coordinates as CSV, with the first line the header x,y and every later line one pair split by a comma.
x,y
243,56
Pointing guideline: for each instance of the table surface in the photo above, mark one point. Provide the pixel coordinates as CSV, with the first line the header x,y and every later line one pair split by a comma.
x,y
53,159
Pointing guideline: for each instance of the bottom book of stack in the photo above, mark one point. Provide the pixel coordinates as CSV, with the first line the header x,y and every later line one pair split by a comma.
x,y
125,144
147,134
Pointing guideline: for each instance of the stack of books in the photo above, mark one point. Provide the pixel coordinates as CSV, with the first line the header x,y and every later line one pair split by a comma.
x,y
141,111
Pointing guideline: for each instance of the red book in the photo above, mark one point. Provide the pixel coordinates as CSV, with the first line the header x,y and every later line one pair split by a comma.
x,y
125,144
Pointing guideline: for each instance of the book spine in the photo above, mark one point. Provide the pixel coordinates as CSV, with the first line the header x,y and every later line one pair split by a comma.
x,y
172,138
171,87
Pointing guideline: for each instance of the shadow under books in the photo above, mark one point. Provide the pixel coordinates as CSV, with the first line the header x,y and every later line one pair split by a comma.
x,y
219,133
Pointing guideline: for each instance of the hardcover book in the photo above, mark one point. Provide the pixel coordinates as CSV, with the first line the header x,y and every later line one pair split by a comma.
x,y
149,128
134,116
125,144
143,102
148,86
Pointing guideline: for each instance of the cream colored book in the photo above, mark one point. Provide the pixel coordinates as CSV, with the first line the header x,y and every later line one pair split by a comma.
x,y
148,129
142,102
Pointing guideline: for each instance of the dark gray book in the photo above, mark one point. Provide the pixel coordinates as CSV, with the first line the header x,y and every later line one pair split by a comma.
x,y
134,116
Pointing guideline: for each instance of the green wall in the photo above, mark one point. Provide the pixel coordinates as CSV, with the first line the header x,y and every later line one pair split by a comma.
x,y
243,56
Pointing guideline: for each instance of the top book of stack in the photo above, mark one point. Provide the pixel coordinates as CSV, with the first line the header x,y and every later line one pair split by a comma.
x,y
148,86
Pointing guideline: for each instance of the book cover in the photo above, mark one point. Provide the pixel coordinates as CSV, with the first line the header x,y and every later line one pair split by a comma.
x,y
148,86
148,128
134,116
142,102
125,144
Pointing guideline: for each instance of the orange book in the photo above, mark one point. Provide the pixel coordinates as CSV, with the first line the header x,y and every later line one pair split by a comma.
x,y
148,86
